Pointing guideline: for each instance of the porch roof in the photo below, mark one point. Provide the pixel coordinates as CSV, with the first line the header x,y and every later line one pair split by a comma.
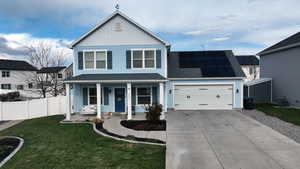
x,y
124,77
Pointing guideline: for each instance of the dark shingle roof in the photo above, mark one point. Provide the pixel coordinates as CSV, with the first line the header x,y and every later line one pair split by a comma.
x,y
16,65
247,59
294,39
203,64
55,69
123,76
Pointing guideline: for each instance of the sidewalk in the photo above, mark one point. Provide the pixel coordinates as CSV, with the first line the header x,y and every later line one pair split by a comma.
x,y
6,124
112,124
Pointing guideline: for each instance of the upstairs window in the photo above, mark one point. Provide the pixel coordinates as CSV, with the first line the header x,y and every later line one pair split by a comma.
x,y
59,75
95,60
143,58
5,73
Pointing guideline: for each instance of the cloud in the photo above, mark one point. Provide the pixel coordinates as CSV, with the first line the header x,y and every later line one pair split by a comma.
x,y
13,46
258,23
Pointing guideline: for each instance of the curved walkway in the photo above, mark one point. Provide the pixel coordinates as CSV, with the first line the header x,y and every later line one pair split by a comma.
x,y
112,124
13,152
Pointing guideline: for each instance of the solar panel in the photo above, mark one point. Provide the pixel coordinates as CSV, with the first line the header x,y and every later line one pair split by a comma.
x,y
211,63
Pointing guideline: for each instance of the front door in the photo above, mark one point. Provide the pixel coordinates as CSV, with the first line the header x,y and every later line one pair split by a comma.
x,y
119,100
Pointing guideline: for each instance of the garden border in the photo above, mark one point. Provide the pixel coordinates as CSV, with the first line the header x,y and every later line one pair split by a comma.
x,y
15,150
107,135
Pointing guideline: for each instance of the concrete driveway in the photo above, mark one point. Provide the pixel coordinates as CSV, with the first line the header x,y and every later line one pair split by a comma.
x,y
226,140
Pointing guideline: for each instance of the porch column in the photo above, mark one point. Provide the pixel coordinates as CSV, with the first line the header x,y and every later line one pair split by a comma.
x,y
98,100
68,113
129,111
162,99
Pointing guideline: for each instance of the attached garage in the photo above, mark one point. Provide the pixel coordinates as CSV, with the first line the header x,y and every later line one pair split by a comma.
x,y
203,97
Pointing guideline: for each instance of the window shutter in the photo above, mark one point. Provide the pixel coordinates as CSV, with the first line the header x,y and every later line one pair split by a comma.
x,y
109,59
85,96
158,58
80,60
154,95
128,59
133,96
106,96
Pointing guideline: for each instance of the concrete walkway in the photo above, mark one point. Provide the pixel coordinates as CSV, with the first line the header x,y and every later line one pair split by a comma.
x,y
6,124
112,124
226,140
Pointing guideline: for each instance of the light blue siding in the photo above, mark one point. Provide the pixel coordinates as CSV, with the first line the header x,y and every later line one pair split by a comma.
x,y
238,94
119,59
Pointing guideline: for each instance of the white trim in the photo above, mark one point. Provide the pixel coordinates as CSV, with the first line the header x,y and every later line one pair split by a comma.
x,y
204,84
98,96
136,95
143,57
209,78
95,61
109,18
112,81
242,94
88,94
129,99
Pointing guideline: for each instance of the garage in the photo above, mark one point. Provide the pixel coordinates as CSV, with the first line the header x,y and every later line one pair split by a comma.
x,y
203,97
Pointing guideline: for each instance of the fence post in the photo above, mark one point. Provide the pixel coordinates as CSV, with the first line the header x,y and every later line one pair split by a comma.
x,y
28,109
47,106
1,111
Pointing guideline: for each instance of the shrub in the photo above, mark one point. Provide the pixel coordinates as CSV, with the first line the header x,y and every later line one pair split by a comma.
x,y
153,112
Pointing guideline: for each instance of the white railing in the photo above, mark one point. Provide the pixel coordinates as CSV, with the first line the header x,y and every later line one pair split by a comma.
x,y
33,108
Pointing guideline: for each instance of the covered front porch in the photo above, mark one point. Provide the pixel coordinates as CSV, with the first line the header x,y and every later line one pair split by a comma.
x,y
114,97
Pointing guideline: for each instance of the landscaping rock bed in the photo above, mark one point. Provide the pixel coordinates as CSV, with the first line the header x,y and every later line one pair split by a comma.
x,y
7,146
144,125
288,129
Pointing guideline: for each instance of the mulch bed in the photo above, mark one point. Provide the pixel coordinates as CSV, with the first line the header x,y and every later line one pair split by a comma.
x,y
7,145
99,126
144,125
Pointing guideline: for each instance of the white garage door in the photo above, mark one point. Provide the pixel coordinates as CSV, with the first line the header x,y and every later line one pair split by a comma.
x,y
201,97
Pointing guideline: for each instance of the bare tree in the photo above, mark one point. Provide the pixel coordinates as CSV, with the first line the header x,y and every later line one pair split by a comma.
x,y
43,54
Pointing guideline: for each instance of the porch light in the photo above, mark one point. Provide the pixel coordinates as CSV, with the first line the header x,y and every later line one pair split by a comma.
x,y
237,90
170,91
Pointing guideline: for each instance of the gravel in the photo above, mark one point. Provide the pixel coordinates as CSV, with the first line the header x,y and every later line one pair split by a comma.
x,y
290,130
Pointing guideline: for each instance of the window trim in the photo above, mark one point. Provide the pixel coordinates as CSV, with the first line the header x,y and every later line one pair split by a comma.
x,y
136,95
89,95
94,51
143,57
6,88
102,95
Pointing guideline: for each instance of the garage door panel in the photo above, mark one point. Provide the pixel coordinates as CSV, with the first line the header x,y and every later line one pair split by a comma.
x,y
203,97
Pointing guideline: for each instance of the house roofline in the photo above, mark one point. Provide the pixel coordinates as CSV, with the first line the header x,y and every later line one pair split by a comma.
x,y
278,49
209,78
112,81
108,19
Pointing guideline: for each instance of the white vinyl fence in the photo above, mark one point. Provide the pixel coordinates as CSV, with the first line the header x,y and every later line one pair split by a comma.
x,y
33,108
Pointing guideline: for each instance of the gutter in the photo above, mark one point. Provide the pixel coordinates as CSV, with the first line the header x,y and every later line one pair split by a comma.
x,y
111,81
279,49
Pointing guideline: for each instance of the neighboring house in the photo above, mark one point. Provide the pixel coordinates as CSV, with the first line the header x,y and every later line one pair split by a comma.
x,y
69,71
120,66
281,63
250,66
17,75
57,72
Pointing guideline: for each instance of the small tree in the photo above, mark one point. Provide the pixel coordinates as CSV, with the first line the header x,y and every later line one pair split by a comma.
x,y
44,54
153,112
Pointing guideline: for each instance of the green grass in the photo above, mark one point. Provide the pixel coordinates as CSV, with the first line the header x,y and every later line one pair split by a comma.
x,y
50,145
290,115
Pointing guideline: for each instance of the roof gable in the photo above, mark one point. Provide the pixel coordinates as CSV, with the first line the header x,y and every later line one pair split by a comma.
x,y
117,29
289,42
16,65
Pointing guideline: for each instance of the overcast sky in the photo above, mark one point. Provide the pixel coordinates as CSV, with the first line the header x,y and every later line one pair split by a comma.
x,y
244,26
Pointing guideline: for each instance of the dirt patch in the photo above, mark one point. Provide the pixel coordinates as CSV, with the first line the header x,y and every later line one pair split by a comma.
x,y
7,145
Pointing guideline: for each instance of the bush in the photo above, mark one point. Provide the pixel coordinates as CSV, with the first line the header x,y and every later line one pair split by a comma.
x,y
153,112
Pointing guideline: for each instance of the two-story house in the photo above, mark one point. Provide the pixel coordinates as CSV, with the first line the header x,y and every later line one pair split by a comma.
x,y
120,66
17,75
250,66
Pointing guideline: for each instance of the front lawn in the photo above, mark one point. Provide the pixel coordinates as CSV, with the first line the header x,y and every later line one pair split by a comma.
x,y
290,115
51,145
